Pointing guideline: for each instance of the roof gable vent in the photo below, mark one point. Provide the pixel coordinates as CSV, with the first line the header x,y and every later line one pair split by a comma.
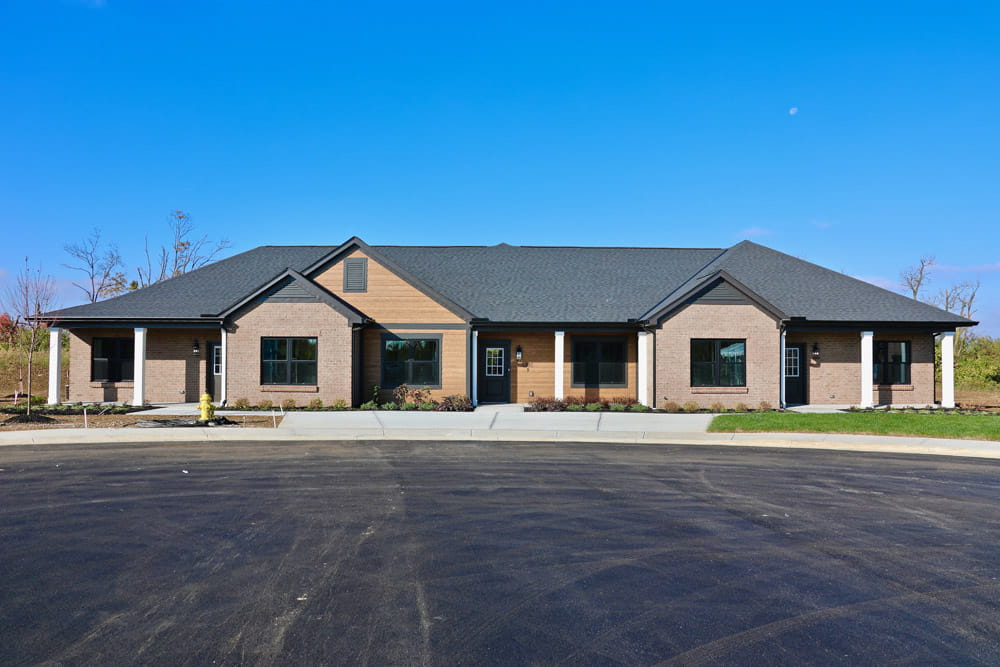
x,y
356,274
721,292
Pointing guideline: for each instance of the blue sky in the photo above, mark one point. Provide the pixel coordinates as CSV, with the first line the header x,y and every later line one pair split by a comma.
x,y
666,124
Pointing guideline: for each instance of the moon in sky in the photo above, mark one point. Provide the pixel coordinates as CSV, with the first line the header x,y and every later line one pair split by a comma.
x,y
793,111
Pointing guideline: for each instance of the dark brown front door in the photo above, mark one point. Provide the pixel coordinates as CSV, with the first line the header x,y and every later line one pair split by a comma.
x,y
796,368
494,371
213,376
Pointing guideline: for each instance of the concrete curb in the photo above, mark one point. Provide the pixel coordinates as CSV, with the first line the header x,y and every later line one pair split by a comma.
x,y
833,442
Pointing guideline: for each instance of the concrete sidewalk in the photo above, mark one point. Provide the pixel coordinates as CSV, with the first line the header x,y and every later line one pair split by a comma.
x,y
506,426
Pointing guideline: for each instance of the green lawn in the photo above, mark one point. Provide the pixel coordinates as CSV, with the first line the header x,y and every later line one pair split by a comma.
x,y
975,427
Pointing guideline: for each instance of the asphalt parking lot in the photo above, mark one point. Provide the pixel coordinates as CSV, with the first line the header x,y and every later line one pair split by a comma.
x,y
495,553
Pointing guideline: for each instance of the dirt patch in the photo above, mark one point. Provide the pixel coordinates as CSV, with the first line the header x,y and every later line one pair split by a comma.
x,y
126,421
980,399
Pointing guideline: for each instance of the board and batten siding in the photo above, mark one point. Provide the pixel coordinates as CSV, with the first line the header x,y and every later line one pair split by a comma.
x,y
388,298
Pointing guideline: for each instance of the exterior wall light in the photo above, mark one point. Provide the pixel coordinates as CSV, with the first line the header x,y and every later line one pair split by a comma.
x,y
815,351
517,353
195,350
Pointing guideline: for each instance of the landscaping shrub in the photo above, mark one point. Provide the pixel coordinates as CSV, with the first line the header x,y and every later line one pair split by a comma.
x,y
575,400
455,403
741,407
288,404
617,407
406,394
391,405
428,405
339,404
316,404
764,406
241,403
574,407
546,404
408,406
627,401
638,407
265,404
690,406
717,407
594,407
369,405
671,406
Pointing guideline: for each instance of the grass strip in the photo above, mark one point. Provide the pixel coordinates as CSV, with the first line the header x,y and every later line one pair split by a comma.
x,y
968,427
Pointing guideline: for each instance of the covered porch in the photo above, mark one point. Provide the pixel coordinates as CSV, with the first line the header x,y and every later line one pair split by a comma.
x,y
865,367
519,364
138,365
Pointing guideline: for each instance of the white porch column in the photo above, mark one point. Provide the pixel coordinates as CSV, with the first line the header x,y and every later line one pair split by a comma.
x,y
475,368
55,364
948,369
560,365
139,369
642,345
221,398
781,398
867,368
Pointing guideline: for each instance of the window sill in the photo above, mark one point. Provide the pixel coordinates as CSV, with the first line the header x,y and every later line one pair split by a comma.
x,y
894,387
98,384
720,390
298,388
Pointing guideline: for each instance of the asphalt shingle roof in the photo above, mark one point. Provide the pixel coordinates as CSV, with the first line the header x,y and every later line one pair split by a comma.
x,y
210,289
506,283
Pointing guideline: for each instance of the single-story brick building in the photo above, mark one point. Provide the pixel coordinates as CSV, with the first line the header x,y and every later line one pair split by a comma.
x,y
505,323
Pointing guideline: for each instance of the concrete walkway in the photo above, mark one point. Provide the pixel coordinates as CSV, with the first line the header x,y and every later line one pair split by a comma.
x,y
502,425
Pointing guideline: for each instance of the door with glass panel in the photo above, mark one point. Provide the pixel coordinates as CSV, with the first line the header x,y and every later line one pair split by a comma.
x,y
494,371
795,373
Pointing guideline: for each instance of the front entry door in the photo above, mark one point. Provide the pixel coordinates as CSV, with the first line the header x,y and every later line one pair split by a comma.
x,y
494,371
795,373
213,378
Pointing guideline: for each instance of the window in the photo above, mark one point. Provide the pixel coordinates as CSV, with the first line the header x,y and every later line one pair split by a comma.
x,y
411,360
718,363
792,362
216,360
599,363
494,362
288,361
891,362
111,360
356,274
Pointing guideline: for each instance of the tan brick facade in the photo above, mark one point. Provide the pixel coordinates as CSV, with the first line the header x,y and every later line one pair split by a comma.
x,y
173,373
314,320
763,347
835,377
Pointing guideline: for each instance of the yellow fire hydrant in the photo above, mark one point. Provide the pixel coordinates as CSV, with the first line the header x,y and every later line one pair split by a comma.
x,y
207,409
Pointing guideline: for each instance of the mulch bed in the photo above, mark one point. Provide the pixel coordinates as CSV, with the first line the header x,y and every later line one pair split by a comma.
x,y
124,421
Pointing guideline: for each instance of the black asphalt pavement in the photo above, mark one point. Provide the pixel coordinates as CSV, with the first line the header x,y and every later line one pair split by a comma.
x,y
495,553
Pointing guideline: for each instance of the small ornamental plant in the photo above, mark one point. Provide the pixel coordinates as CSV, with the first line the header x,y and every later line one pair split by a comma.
x,y
717,407
671,406
265,404
288,404
316,404
594,407
691,406
339,404
638,407
617,407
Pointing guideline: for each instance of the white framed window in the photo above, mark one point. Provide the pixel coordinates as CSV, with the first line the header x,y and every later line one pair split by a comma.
x,y
217,360
494,362
792,361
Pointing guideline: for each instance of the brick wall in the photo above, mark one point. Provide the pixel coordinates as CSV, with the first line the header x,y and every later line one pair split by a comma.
x,y
173,373
673,355
835,378
267,319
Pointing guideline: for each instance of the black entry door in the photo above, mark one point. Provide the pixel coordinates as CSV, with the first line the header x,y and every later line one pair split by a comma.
x,y
795,373
213,376
494,371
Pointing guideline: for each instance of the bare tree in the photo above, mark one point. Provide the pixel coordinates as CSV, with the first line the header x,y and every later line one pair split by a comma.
x,y
28,299
960,299
185,252
101,266
914,277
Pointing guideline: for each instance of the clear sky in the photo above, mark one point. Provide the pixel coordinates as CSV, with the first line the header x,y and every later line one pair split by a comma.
x,y
858,136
